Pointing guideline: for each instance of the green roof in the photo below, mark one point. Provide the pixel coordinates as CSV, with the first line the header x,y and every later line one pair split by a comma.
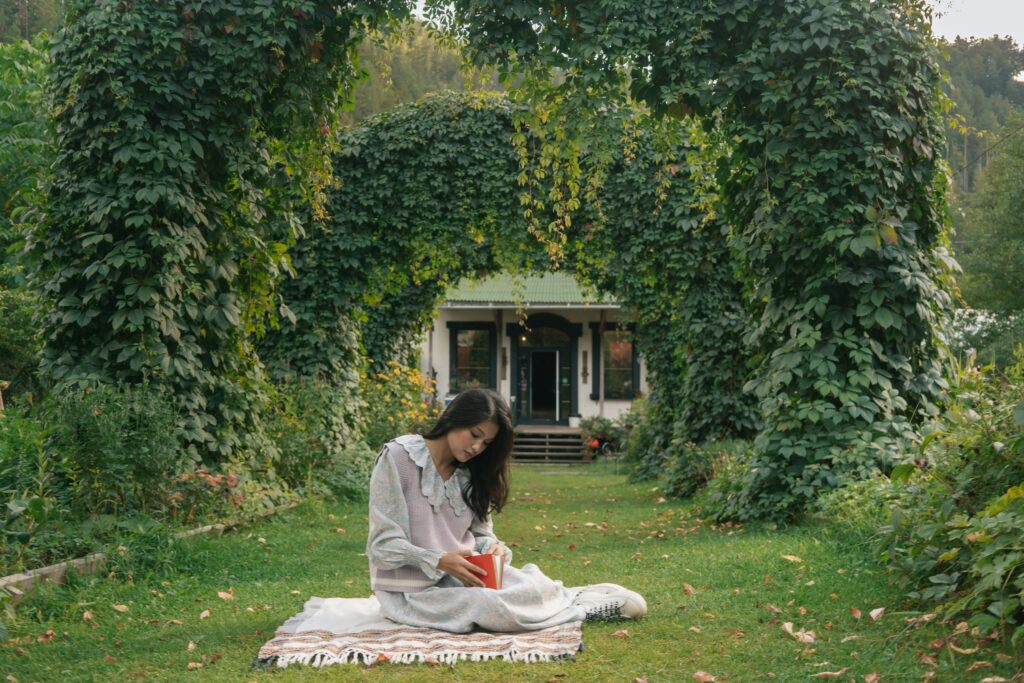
x,y
546,288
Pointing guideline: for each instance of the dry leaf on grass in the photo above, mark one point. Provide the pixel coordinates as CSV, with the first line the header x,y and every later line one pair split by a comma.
x,y
191,646
205,613
772,608
849,638
703,677
855,612
110,660
640,679
979,665
928,660
689,590
195,665
695,629
176,622
87,616
622,633
831,674
963,650
994,679
877,613
872,678
47,636
120,608
792,558
229,594
803,636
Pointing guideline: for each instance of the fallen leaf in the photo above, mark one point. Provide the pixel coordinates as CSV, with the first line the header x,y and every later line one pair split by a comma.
x,y
703,677
695,629
229,594
19,652
833,596
809,583
855,612
979,665
47,636
191,646
176,622
802,611
195,665
120,608
11,679
801,635
927,676
928,660
110,660
205,613
622,633
963,650
831,674
877,613
849,638
87,616
689,590
872,678
772,608
994,679
640,679
792,558
295,592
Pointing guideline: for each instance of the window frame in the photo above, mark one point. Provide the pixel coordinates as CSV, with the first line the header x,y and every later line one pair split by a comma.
x,y
453,345
597,348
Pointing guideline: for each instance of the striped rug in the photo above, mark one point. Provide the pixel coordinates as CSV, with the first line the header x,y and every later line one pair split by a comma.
x,y
352,631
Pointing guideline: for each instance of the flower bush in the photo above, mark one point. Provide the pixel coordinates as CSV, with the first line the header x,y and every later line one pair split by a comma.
x,y
399,400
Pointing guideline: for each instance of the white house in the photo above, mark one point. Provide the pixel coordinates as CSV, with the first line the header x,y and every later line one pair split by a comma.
x,y
553,367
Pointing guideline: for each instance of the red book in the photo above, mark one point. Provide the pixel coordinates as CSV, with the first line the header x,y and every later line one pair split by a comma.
x,y
493,565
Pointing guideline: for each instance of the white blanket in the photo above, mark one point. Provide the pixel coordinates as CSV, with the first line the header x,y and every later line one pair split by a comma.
x,y
350,630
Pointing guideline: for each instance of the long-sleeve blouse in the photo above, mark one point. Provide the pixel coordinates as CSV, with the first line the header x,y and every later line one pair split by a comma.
x,y
416,517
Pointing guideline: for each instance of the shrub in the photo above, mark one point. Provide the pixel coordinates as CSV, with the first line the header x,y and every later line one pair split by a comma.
x,y
988,337
400,400
299,426
116,446
19,340
348,475
958,542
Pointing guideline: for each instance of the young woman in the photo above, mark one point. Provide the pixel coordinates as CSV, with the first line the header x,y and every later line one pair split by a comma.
x,y
430,502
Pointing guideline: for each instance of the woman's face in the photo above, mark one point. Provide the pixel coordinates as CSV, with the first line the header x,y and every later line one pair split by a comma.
x,y
468,442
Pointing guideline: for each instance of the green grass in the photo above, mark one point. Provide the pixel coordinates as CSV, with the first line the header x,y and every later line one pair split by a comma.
x,y
726,628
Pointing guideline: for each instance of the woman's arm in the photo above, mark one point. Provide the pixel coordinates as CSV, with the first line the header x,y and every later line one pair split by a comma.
x,y
388,545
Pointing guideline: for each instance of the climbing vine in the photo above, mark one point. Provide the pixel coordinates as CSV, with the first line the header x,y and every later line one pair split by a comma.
x,y
189,135
833,191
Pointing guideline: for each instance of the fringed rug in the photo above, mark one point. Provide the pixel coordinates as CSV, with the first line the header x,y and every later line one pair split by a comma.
x,y
352,630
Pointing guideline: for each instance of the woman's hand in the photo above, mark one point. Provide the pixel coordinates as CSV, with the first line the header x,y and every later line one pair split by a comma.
x,y
498,549
454,563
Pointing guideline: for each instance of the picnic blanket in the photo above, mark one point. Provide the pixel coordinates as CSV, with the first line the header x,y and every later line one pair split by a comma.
x,y
352,630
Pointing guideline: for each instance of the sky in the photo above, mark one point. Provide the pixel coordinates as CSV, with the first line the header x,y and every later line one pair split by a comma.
x,y
979,18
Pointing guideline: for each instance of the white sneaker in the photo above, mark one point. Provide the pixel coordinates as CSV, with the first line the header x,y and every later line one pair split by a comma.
x,y
609,602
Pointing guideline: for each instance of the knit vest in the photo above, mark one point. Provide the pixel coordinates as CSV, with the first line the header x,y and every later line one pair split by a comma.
x,y
433,521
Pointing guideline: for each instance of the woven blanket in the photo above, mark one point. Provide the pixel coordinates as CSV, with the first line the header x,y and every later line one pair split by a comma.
x,y
352,630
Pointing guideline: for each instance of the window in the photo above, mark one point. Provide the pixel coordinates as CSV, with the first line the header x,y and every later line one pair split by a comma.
x,y
618,365
472,356
618,360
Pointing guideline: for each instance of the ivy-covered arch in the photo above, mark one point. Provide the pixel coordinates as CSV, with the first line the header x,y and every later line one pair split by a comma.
x,y
429,193
831,185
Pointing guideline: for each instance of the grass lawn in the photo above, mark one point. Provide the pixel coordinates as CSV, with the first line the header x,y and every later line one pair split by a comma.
x,y
718,597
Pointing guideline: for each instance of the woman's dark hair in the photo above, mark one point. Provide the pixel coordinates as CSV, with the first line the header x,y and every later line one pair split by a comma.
x,y
488,472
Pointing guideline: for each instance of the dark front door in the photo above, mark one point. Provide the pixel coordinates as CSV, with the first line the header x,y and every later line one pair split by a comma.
x,y
543,385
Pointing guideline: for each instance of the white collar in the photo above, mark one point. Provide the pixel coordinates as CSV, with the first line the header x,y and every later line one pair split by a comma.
x,y
432,485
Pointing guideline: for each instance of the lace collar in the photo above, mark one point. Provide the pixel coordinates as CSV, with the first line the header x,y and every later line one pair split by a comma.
x,y
432,485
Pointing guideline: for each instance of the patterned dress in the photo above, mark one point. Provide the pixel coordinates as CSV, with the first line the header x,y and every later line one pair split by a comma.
x,y
403,558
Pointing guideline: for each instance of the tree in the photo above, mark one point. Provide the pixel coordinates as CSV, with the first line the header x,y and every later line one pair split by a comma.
x,y
22,19
991,240
985,93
